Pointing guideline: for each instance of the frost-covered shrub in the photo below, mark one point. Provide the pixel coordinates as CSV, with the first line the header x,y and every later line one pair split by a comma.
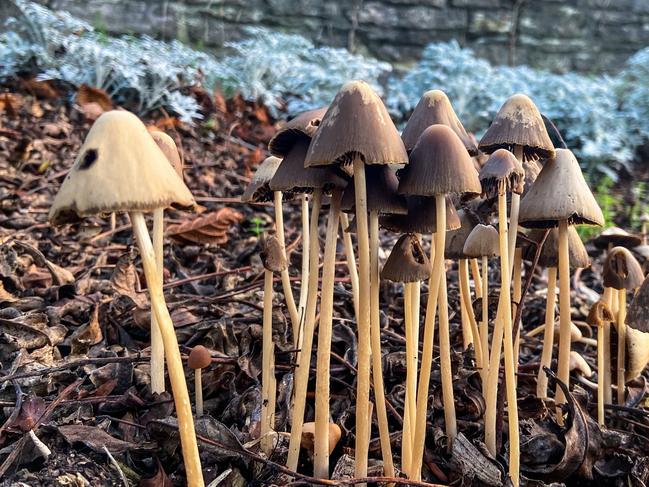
x,y
633,93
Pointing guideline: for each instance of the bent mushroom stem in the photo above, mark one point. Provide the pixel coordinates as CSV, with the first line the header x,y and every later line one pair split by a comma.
x,y
304,356
364,338
351,260
304,278
268,358
548,335
172,353
484,327
465,294
564,316
286,279
375,332
606,346
321,448
621,346
157,347
477,280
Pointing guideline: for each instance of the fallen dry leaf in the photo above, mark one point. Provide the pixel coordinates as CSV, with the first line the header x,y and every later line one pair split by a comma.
x,y
93,437
211,228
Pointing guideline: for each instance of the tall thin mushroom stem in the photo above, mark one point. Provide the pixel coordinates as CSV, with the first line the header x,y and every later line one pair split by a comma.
x,y
465,294
198,391
548,335
268,358
600,376
606,347
517,282
484,327
409,403
157,347
377,367
621,345
513,215
304,277
351,260
364,333
477,280
321,448
304,356
172,353
564,316
286,279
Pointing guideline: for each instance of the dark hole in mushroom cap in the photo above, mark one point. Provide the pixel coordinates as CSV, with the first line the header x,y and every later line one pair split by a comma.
x,y
89,158
315,122
417,251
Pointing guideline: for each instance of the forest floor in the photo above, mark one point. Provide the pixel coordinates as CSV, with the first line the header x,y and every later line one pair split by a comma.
x,y
74,337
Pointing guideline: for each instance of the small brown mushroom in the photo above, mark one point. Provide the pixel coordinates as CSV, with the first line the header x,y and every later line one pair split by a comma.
x,y
199,358
616,237
599,316
308,436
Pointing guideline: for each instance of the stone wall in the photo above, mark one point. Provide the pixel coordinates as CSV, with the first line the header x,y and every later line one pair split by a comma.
x,y
582,35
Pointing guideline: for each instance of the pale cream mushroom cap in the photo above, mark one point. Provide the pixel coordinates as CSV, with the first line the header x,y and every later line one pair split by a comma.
x,y
637,345
169,149
119,168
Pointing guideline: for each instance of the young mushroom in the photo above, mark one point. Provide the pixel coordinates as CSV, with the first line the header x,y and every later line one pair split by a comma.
x,y
357,130
621,272
121,169
483,243
503,173
439,165
199,358
598,316
274,261
408,264
616,237
560,197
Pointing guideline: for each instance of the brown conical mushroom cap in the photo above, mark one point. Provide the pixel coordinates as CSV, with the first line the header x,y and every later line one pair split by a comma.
x,y
119,168
308,436
532,170
637,346
407,261
291,175
638,314
434,108
518,122
421,217
356,123
272,256
599,314
258,190
454,248
439,164
578,364
302,126
502,167
622,270
578,255
381,183
617,237
199,358
560,193
482,242
169,149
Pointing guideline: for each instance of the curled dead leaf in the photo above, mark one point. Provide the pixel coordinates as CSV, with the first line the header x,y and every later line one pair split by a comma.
x,y
211,228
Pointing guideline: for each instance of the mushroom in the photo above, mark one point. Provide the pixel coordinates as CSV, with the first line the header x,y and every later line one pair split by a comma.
x,y
455,250
439,165
169,149
259,191
357,130
273,259
199,358
308,436
120,168
549,258
560,197
408,264
502,173
598,316
637,339
616,237
579,365
483,243
621,272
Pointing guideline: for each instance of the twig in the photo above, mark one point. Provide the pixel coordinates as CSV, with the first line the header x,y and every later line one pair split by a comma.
x,y
117,467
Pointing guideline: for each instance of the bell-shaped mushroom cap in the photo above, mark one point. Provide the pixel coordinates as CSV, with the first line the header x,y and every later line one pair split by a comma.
x,y
518,122
407,261
119,168
638,314
434,108
199,357
622,270
502,167
579,365
616,237
258,189
599,314
577,254
560,193
482,242
637,351
454,246
439,164
381,183
302,126
421,217
169,149
291,176
356,124
272,256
